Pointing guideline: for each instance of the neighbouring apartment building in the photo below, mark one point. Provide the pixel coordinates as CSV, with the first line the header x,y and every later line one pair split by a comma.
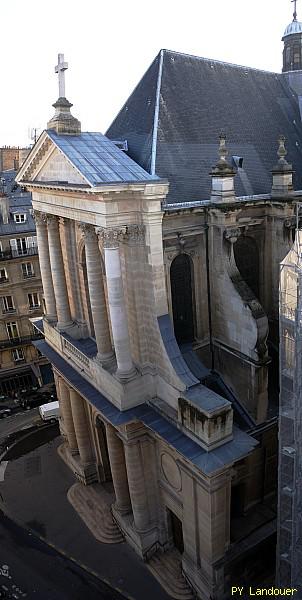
x,y
12,157
21,295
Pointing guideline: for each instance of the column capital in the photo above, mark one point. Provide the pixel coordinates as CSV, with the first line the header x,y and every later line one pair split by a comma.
x,y
39,217
52,219
232,234
135,234
113,235
110,236
87,229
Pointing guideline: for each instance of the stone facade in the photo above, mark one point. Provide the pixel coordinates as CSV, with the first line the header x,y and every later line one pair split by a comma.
x,y
184,470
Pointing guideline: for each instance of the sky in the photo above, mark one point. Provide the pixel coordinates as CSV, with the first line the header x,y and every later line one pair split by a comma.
x,y
109,44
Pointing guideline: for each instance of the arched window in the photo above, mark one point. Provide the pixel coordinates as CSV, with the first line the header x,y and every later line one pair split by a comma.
x,y
182,298
247,261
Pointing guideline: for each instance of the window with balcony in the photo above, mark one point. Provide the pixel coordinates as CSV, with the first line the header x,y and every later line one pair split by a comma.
x,y
33,300
23,246
3,275
20,217
12,330
18,355
27,270
7,303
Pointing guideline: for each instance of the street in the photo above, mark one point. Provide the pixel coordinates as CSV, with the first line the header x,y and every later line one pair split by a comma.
x,y
34,482
31,569
18,422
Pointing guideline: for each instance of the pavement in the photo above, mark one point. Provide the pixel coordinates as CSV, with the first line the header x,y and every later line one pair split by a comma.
x,y
34,494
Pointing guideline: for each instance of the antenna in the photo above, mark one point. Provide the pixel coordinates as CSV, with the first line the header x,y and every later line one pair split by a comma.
x,y
33,133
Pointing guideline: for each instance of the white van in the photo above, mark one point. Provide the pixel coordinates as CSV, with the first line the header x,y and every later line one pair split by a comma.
x,y
50,411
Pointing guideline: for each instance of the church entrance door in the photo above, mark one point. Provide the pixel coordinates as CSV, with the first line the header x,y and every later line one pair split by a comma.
x,y
176,528
101,430
182,298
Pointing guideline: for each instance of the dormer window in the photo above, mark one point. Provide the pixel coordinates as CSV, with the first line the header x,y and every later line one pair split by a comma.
x,y
20,217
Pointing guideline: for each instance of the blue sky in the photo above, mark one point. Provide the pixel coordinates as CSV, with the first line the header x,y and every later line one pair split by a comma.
x,y
109,46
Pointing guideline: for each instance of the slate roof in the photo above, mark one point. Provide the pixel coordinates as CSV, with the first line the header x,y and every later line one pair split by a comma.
x,y
176,112
208,462
98,159
18,204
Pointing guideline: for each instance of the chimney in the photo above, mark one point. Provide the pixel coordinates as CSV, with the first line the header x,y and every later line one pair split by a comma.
x,y
4,207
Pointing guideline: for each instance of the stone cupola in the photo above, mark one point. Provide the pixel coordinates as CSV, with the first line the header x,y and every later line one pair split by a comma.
x,y
292,38
63,122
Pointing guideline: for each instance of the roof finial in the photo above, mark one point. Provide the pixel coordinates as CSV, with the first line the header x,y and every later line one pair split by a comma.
x,y
295,9
282,152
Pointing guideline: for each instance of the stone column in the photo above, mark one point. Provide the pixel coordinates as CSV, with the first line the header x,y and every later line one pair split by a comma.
x,y
97,294
58,273
45,269
64,396
81,426
117,305
118,470
137,487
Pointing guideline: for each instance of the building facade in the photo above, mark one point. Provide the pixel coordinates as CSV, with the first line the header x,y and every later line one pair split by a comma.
x,y
21,296
161,316
11,157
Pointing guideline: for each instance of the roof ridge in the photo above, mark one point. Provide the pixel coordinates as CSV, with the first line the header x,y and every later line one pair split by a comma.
x,y
221,62
156,113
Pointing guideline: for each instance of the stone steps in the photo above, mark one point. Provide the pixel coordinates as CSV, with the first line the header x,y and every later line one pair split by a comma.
x,y
91,504
166,568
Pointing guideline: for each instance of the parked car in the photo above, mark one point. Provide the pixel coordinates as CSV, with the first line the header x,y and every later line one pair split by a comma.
x,y
5,412
32,398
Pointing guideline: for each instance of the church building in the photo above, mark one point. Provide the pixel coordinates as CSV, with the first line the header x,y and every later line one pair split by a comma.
x,y
160,245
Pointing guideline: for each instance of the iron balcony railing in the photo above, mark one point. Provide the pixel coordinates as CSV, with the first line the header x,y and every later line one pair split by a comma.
x,y
9,254
19,341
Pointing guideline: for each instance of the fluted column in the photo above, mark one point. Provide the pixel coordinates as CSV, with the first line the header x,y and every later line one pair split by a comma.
x,y
81,426
118,470
97,294
136,482
64,396
58,273
45,268
117,304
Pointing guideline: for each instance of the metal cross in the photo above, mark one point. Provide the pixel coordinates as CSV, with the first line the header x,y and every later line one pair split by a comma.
x,y
60,68
295,11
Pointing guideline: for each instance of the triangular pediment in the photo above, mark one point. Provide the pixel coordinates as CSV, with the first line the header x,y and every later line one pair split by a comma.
x,y
46,163
58,168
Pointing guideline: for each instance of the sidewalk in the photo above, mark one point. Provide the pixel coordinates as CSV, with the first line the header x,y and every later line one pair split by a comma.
x,y
34,493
